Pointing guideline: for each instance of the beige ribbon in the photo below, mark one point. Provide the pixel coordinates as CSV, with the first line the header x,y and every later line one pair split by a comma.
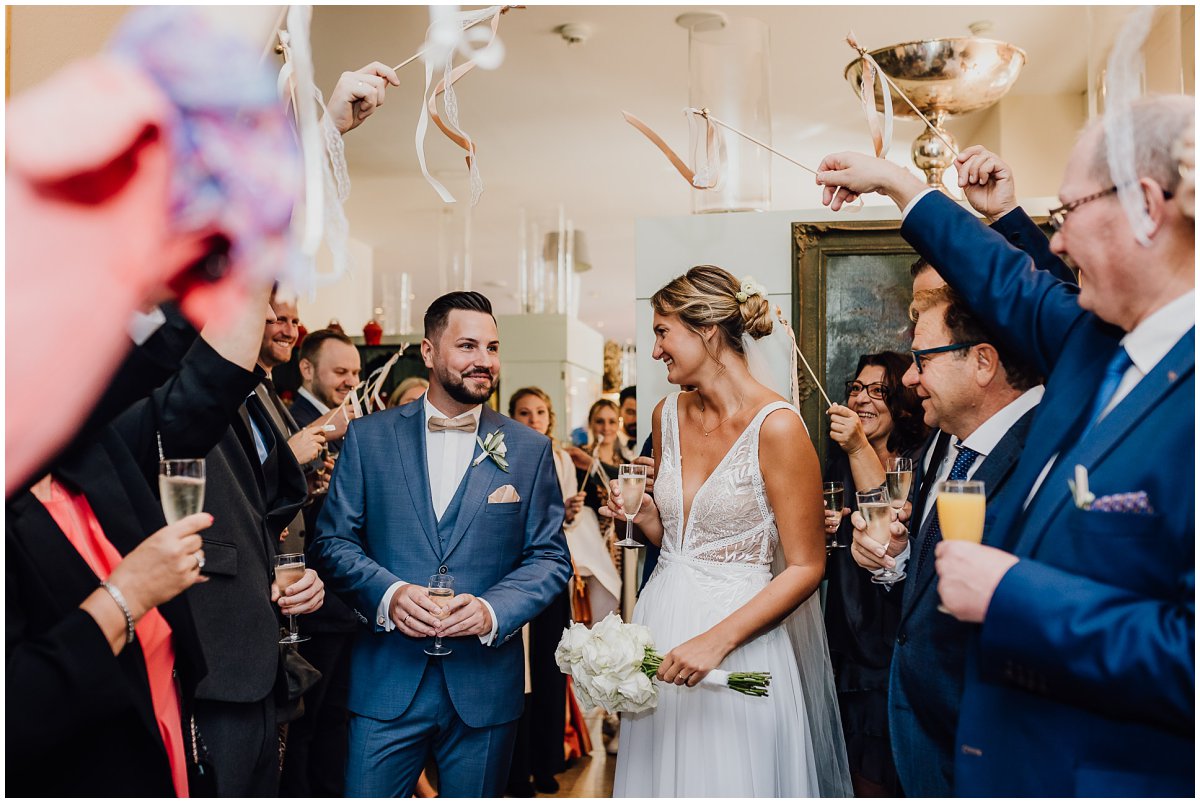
x,y
868,100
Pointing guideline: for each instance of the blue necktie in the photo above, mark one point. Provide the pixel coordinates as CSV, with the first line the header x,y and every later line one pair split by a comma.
x,y
1113,374
958,471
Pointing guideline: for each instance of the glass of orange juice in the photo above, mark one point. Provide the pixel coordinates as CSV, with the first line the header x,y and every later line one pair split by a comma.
x,y
961,507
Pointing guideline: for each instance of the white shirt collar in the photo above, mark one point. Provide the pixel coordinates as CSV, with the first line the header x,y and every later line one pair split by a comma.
x,y
984,439
430,410
321,406
1151,339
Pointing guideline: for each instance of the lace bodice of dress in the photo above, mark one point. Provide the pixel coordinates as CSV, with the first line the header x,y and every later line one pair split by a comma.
x,y
730,520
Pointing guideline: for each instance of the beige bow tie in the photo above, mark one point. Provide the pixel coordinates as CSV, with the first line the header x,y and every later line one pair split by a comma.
x,y
464,423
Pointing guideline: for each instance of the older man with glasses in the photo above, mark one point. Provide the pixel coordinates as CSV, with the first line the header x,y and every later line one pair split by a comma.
x,y
1083,682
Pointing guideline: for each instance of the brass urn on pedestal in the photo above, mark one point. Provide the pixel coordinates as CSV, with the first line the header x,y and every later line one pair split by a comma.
x,y
943,78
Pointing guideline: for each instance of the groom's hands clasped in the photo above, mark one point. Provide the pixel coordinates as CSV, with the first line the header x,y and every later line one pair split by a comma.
x,y
416,614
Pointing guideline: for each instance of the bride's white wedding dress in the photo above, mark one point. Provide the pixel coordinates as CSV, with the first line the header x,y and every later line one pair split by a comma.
x,y
714,742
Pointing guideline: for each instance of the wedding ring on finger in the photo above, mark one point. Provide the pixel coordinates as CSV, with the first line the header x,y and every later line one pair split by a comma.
x,y
199,556
407,616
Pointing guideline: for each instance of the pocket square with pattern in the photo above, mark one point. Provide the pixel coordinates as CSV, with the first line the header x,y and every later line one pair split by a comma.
x,y
503,495
1136,502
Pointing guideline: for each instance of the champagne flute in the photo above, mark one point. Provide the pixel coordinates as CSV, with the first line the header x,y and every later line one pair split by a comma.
x,y
899,473
876,508
289,569
632,479
961,509
441,589
834,500
181,488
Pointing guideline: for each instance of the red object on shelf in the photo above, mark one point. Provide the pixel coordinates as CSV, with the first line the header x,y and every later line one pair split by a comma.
x,y
372,333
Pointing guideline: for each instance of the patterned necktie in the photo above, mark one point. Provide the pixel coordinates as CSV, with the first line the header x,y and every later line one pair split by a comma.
x,y
464,423
1113,374
962,464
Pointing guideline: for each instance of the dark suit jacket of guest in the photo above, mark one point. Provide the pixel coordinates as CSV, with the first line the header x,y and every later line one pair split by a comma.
x,y
335,616
1082,681
926,680
80,720
251,504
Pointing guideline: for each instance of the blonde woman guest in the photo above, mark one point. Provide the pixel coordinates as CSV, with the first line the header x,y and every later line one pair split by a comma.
x,y
407,391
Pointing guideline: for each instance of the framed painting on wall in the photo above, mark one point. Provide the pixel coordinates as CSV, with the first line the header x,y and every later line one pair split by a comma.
x,y
851,288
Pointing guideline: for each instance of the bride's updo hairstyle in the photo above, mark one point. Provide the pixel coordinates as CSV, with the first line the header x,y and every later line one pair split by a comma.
x,y
707,296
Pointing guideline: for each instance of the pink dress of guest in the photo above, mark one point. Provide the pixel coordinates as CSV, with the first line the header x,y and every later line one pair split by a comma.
x,y
73,515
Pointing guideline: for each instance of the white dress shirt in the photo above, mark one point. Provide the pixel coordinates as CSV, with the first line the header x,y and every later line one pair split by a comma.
x,y
142,325
1146,345
322,407
983,440
448,455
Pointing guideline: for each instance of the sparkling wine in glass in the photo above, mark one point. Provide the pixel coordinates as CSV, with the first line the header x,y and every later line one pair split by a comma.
x,y
899,472
961,508
834,500
288,570
181,488
876,509
441,591
632,479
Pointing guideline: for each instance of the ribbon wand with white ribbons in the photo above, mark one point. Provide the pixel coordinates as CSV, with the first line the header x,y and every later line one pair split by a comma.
x,y
869,61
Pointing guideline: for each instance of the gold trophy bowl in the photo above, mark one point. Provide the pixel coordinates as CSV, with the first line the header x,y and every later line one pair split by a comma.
x,y
943,78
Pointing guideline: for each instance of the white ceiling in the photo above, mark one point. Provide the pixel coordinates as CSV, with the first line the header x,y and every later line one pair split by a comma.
x,y
549,129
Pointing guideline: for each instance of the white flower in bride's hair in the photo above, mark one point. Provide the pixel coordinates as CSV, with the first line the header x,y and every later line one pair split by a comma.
x,y
750,287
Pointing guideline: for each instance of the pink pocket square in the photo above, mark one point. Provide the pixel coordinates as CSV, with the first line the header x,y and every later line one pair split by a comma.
x,y
1136,502
505,494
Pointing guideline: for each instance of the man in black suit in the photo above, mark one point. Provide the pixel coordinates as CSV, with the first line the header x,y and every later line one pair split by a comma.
x,y
254,487
983,399
314,764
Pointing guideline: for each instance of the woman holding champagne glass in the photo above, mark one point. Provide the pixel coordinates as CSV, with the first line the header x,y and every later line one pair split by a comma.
x,y
736,482
876,433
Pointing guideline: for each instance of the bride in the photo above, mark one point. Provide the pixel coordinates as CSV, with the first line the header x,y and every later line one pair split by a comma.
x,y
737,485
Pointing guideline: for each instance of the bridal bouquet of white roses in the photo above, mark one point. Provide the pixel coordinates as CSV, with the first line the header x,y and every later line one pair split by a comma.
x,y
614,664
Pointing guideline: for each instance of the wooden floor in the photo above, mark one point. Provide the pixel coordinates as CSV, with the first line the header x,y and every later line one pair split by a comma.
x,y
589,776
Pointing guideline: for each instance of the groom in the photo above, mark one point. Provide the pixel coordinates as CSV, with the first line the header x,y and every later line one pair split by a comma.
x,y
415,494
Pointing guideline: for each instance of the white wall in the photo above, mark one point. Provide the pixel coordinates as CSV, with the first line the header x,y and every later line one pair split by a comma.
x,y
349,298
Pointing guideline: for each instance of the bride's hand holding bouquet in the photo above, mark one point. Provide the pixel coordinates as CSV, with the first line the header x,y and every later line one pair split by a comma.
x,y
691,661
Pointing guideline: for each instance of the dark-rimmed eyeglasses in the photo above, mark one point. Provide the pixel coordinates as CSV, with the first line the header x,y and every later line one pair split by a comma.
x,y
1058,215
924,354
876,390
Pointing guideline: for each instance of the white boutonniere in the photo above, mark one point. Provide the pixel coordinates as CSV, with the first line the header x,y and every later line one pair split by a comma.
x,y
494,447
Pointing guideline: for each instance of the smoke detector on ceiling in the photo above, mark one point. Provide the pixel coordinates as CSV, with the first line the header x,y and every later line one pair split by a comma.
x,y
574,33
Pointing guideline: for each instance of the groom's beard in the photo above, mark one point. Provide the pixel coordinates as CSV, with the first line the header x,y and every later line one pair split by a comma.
x,y
463,392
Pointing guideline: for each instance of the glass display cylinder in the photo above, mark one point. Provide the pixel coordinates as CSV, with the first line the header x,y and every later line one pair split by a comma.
x,y
729,74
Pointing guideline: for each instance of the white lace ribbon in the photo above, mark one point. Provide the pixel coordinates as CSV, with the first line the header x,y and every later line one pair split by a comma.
x,y
1123,84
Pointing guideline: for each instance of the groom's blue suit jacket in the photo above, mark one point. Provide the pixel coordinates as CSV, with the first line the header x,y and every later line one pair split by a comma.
x,y
1082,679
378,527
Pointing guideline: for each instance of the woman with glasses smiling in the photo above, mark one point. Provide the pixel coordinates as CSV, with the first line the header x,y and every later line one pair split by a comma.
x,y
881,419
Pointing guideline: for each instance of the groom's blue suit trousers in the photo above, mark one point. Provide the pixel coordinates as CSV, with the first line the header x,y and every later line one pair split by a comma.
x,y
386,756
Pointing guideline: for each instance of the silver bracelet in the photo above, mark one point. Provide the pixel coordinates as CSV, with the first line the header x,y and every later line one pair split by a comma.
x,y
119,598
